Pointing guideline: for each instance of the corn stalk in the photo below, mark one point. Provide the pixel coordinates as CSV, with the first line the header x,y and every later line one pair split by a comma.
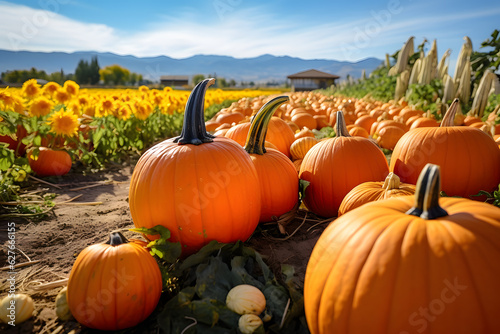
x,y
434,60
449,89
465,53
481,96
424,77
405,53
465,82
401,84
443,67
415,72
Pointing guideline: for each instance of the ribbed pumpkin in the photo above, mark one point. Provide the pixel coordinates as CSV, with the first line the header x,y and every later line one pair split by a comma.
x,y
279,183
411,264
468,157
375,191
301,146
336,165
199,187
114,285
389,136
50,162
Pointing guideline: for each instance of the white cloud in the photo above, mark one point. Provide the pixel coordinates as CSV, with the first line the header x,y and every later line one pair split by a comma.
x,y
244,33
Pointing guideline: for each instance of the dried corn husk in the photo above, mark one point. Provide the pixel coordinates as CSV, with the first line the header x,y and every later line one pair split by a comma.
x,y
483,91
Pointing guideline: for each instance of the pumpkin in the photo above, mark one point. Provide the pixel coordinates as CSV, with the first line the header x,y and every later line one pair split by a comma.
x,y
62,309
279,183
366,122
246,299
50,162
423,122
249,323
468,157
229,118
357,131
15,142
389,136
375,191
304,120
199,187
16,308
305,132
301,146
410,264
114,285
336,165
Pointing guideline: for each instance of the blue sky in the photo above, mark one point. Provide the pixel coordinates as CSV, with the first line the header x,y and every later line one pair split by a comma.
x,y
341,30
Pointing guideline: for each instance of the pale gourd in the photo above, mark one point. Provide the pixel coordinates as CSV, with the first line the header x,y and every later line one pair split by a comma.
x,y
248,323
62,309
16,309
246,299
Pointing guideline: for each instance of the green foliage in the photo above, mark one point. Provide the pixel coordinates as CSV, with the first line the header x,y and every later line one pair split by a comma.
x,y
215,108
488,59
117,75
493,102
379,86
197,78
206,277
426,97
20,76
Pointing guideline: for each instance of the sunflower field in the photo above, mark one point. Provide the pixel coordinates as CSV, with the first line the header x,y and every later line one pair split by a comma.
x,y
94,126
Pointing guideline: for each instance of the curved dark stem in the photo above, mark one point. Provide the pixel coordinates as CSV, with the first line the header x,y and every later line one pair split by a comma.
x,y
116,238
256,138
193,128
427,194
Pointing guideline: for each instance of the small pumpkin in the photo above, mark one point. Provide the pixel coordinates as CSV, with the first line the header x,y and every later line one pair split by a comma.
x,y
301,146
389,136
336,165
199,187
50,162
406,265
114,285
249,323
375,191
17,308
62,309
279,183
246,299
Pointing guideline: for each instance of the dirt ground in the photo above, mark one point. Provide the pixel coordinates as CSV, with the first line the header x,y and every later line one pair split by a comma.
x,y
56,240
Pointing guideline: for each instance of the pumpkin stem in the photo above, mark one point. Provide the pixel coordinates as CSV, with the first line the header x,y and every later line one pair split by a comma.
x,y
256,137
340,127
449,116
392,181
427,194
116,238
193,128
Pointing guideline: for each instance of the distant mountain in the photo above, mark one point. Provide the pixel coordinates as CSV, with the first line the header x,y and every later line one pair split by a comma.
x,y
265,68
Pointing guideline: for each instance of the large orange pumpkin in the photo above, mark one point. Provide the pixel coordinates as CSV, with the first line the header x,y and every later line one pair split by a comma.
x,y
336,165
468,157
411,264
279,183
50,162
114,285
199,187
375,191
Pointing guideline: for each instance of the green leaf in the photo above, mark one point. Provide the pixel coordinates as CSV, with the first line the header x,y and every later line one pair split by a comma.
x,y
161,247
214,280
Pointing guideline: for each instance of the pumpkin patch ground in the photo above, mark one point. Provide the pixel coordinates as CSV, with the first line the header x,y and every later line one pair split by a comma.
x,y
54,242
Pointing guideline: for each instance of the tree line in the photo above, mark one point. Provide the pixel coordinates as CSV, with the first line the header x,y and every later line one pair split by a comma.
x,y
86,73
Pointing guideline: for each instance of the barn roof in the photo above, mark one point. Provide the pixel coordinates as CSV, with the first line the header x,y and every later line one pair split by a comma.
x,y
312,74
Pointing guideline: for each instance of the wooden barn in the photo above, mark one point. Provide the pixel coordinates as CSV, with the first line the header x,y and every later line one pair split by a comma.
x,y
174,80
311,80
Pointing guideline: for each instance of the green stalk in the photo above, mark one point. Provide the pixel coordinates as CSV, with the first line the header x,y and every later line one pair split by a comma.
x,y
256,137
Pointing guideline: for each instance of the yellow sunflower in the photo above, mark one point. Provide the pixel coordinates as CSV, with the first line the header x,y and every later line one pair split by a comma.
x,y
50,88
31,88
62,96
71,87
105,107
143,109
123,111
6,98
41,107
64,122
143,89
